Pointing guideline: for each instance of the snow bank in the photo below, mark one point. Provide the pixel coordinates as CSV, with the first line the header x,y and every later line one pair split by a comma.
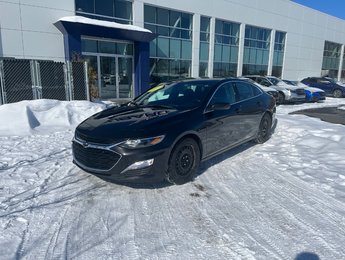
x,y
341,107
329,102
41,116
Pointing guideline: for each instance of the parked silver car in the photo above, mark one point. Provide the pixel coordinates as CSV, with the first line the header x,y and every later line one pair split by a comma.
x,y
271,91
286,93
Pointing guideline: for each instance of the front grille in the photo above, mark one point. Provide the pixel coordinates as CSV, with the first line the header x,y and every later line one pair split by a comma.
x,y
300,91
322,94
94,158
91,139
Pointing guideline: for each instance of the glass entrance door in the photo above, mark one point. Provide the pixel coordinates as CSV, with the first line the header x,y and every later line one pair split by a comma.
x,y
125,78
116,80
107,85
110,68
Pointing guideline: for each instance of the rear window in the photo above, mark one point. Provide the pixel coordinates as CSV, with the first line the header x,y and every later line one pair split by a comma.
x,y
246,90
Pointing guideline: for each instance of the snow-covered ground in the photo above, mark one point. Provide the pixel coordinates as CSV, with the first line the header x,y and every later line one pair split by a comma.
x,y
270,201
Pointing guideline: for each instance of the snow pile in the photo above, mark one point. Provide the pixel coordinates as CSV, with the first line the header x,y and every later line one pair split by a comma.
x,y
341,107
40,116
329,102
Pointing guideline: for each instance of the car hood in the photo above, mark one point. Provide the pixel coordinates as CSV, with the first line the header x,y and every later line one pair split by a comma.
x,y
267,89
117,124
341,84
311,89
287,86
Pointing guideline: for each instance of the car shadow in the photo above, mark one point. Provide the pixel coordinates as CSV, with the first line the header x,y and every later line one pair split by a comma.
x,y
223,157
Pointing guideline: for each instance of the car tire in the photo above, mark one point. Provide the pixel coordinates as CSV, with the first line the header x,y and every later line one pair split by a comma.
x,y
184,161
337,93
264,132
281,98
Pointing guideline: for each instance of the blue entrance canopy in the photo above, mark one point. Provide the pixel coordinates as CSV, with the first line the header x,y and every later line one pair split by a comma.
x,y
74,27
79,25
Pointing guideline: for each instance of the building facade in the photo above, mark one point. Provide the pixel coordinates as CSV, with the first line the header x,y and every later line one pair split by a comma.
x,y
129,44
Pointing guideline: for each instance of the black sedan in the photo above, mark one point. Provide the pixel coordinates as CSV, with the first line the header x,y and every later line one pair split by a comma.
x,y
166,132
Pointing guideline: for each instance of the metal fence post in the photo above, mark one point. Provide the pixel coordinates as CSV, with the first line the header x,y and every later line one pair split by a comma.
x,y
86,74
2,82
33,79
69,77
38,80
71,80
66,81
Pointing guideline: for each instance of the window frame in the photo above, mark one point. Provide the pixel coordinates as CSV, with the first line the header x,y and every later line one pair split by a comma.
x,y
235,88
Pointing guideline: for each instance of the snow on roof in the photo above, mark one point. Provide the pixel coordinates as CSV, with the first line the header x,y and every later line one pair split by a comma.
x,y
85,20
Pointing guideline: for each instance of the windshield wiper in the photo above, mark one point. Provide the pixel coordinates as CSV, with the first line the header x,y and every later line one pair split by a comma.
x,y
133,103
161,106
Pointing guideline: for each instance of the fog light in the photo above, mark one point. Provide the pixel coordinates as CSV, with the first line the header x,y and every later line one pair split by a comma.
x,y
139,165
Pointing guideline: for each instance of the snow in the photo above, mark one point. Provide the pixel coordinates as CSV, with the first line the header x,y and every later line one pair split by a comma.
x,y
27,117
270,201
85,20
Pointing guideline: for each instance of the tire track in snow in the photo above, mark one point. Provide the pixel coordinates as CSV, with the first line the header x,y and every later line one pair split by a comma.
x,y
222,194
272,192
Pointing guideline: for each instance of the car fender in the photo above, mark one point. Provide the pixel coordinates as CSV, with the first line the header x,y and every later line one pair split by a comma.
x,y
195,134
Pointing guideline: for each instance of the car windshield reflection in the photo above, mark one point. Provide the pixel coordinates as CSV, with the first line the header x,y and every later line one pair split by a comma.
x,y
181,95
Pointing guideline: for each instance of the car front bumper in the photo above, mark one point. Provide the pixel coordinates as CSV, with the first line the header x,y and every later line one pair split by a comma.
x,y
295,98
122,159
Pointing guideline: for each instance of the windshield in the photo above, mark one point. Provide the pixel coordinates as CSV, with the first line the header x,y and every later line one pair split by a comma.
x,y
274,81
330,80
177,95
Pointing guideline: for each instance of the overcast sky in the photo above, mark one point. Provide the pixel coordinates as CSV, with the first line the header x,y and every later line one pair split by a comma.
x,y
332,7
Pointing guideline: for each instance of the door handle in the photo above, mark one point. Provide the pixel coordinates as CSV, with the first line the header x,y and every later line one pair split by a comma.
x,y
259,103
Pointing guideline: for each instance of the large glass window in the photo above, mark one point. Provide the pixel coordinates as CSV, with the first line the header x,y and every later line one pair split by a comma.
x,y
331,59
108,47
204,46
256,50
226,49
111,10
278,55
171,51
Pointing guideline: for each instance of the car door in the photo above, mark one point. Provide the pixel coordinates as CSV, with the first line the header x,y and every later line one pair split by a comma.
x,y
250,110
325,85
223,126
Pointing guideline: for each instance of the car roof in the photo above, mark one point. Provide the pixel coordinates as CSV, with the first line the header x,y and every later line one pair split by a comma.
x,y
205,80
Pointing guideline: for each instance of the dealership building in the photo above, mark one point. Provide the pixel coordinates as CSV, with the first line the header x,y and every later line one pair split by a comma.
x,y
129,44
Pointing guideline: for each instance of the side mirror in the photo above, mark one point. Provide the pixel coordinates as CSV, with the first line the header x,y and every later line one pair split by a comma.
x,y
218,107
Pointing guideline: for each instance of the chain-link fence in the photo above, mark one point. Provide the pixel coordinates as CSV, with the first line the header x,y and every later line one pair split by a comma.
x,y
80,84
32,79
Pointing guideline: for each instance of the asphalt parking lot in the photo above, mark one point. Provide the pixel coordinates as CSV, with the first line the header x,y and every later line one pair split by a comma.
x,y
335,115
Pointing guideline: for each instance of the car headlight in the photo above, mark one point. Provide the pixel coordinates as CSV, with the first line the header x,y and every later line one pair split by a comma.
x,y
140,143
287,92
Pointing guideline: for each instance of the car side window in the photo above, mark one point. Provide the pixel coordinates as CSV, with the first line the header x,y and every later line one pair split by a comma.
x,y
224,94
323,81
246,91
264,82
